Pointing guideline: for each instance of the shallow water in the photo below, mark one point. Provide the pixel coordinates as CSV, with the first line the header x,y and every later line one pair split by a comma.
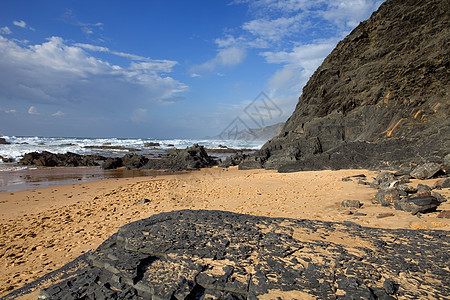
x,y
29,179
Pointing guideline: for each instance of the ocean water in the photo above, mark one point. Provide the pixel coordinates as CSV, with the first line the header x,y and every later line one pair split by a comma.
x,y
21,145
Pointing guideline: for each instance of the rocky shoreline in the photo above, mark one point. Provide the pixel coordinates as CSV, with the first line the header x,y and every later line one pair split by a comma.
x,y
253,257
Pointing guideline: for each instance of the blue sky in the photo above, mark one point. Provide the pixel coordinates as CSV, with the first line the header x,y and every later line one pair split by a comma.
x,y
159,68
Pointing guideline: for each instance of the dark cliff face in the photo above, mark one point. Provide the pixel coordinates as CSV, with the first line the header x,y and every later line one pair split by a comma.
x,y
380,99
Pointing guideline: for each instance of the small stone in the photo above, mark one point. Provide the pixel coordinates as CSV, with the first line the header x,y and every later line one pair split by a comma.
x,y
347,179
143,201
426,171
358,213
384,215
390,287
445,214
442,183
351,203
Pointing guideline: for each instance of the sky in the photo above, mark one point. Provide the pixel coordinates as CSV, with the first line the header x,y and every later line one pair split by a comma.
x,y
161,68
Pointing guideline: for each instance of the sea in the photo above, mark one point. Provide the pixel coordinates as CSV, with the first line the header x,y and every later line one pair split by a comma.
x,y
20,145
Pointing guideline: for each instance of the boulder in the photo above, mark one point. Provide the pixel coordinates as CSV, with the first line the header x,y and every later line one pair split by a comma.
x,y
233,160
420,204
134,161
3,141
112,163
426,171
442,183
152,144
386,197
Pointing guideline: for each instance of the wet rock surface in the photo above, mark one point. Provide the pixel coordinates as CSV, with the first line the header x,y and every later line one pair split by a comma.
x,y
222,255
48,159
380,100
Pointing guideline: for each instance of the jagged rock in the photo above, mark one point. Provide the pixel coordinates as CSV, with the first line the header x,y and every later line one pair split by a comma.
x,y
442,183
48,159
112,163
351,203
223,255
426,171
152,144
191,158
3,141
380,100
439,197
134,161
386,197
420,204
233,160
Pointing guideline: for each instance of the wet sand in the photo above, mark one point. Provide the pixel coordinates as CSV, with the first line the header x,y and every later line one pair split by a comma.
x,y
43,229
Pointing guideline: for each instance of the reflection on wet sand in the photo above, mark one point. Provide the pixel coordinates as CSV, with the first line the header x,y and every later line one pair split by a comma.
x,y
21,180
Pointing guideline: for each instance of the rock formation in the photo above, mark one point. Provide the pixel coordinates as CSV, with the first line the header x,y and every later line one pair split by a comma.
x,y
380,99
223,255
48,159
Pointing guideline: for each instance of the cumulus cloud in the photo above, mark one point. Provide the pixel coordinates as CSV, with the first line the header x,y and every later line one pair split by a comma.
x,y
5,30
273,30
33,111
57,73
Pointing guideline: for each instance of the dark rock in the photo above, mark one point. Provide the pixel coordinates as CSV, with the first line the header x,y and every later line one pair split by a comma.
x,y
47,159
222,255
347,179
385,215
170,145
3,141
425,171
383,180
152,144
420,204
112,163
6,159
386,197
390,287
445,214
191,158
144,201
446,163
442,183
441,198
134,161
233,160
379,100
106,147
406,188
351,203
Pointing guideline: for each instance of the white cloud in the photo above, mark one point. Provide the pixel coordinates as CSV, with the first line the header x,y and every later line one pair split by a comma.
x,y
33,111
20,23
57,73
5,30
195,75
273,30
58,114
298,64
10,111
139,115
227,57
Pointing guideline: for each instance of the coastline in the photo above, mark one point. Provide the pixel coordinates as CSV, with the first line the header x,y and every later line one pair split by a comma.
x,y
43,229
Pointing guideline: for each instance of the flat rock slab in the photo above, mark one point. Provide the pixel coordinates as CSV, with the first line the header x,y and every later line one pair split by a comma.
x,y
222,255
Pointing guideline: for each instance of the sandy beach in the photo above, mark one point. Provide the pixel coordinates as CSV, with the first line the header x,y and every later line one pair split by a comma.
x,y
43,229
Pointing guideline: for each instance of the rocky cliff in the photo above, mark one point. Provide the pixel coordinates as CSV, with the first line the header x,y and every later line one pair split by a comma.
x,y
379,100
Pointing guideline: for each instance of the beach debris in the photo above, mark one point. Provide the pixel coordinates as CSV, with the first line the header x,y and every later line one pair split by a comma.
x,y
215,254
426,171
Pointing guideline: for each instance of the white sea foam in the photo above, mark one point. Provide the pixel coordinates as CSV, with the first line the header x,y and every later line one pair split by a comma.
x,y
22,145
